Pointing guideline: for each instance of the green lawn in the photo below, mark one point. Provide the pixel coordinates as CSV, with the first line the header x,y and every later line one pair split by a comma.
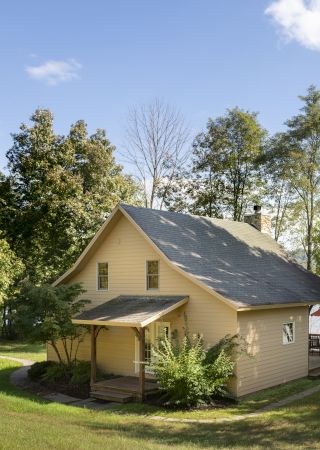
x,y
247,404
30,423
19,349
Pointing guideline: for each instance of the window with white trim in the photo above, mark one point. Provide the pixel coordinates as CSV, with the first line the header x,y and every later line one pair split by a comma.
x,y
152,275
288,333
154,333
102,276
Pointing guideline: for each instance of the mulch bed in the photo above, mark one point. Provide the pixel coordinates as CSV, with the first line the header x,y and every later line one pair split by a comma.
x,y
79,391
159,400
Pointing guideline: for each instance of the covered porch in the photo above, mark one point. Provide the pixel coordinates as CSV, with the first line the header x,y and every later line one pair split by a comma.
x,y
136,313
314,355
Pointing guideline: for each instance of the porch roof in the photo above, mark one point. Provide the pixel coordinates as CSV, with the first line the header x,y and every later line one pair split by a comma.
x,y
131,310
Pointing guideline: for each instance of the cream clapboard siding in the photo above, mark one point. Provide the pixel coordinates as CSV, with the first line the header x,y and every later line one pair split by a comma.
x,y
271,363
126,252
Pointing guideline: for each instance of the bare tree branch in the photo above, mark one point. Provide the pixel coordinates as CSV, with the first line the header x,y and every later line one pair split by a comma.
x,y
156,138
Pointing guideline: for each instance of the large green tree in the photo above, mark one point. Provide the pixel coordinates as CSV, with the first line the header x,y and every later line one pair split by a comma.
x,y
296,153
61,190
11,270
225,175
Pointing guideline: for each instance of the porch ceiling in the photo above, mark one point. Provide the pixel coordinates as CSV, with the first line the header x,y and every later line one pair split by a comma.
x,y
131,310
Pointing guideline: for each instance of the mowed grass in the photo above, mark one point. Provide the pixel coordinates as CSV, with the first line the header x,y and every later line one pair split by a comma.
x,y
24,350
246,405
27,422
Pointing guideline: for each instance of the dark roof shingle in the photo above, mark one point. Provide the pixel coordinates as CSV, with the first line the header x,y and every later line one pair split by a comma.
x,y
131,310
233,258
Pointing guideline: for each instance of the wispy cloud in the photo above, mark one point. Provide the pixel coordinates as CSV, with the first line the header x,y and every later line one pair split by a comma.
x,y
298,20
54,72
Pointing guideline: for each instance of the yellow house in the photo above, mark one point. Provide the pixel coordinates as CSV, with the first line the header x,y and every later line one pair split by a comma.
x,y
145,270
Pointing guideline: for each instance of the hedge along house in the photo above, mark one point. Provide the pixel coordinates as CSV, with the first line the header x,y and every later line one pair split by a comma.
x,y
145,270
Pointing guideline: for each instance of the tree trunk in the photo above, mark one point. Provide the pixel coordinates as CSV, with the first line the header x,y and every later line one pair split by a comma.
x,y
53,344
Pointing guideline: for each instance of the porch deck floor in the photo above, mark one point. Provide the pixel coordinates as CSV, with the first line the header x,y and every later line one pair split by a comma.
x,y
314,362
124,384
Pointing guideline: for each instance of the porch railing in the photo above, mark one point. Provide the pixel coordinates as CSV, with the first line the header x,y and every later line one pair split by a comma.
x,y
314,344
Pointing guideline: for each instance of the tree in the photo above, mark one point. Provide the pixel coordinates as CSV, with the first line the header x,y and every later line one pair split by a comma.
x,y
198,194
297,153
225,174
103,183
11,269
279,196
156,135
62,189
43,314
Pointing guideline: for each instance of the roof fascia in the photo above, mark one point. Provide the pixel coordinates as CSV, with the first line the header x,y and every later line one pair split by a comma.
x,y
277,306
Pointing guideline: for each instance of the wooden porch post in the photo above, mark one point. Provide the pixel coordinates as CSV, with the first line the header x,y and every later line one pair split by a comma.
x,y
93,377
142,364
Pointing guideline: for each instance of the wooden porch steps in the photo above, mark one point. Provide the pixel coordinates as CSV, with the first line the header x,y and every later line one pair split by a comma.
x,y
121,389
112,396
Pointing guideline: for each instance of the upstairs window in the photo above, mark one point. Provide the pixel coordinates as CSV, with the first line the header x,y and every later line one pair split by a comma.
x,y
152,275
288,333
102,280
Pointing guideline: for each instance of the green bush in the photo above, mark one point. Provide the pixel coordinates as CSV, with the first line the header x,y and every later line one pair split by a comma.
x,y
57,372
80,373
190,375
77,374
38,369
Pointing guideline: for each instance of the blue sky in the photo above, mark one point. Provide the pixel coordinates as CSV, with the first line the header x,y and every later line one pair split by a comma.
x,y
94,59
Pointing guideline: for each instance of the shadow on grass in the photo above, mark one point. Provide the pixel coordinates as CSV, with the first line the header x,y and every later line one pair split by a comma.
x,y
268,433
8,389
296,426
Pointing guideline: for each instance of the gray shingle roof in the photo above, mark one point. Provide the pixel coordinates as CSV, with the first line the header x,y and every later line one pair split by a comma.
x,y
233,258
131,310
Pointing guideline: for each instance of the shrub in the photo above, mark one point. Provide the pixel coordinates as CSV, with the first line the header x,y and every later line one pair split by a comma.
x,y
38,369
76,374
80,373
190,375
57,372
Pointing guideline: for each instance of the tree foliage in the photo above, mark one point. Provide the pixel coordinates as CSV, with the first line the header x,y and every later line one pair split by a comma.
x,y
296,154
11,269
225,176
43,314
61,190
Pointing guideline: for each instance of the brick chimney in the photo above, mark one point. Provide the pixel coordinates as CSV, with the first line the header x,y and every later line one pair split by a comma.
x,y
261,222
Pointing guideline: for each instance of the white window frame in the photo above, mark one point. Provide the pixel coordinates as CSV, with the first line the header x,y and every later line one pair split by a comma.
x,y
97,277
284,341
147,275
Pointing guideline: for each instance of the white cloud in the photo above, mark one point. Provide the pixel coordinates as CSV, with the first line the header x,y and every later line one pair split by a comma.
x,y
55,72
298,20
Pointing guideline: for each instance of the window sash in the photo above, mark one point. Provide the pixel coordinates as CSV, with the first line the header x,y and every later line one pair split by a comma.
x,y
288,333
103,276
152,275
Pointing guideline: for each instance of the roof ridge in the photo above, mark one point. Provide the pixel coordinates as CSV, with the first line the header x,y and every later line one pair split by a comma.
x,y
211,219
